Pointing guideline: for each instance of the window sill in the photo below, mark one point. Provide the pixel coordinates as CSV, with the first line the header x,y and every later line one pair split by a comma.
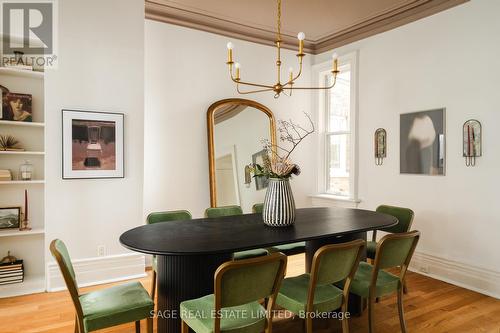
x,y
334,197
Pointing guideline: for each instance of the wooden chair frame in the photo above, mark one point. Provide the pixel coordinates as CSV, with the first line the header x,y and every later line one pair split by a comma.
x,y
360,244
75,294
230,265
402,275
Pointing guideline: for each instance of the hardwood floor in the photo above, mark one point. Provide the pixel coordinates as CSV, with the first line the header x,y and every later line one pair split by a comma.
x,y
430,306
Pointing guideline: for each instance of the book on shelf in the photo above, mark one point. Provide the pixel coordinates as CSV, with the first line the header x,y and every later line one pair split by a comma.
x,y
12,272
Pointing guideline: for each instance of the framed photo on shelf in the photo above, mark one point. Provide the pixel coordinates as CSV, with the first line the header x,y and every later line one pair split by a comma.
x,y
16,107
92,144
10,217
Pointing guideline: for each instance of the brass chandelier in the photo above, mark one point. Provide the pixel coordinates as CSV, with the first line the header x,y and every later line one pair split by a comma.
x,y
278,88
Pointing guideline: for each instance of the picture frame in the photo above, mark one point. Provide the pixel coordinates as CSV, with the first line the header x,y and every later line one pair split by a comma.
x,y
261,182
423,142
92,144
10,217
16,107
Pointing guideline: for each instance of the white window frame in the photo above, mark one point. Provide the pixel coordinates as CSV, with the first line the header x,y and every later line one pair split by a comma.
x,y
319,103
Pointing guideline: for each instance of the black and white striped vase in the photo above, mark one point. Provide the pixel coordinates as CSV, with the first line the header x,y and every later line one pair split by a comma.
x,y
279,205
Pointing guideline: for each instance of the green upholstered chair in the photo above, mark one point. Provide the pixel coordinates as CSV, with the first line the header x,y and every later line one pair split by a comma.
x,y
158,217
315,293
214,212
288,249
234,306
106,307
372,281
405,218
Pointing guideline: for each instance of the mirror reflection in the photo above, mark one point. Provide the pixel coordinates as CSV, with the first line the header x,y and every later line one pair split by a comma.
x,y
238,129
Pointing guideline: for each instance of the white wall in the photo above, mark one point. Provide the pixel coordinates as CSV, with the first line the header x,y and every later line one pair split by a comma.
x,y
185,73
101,57
447,60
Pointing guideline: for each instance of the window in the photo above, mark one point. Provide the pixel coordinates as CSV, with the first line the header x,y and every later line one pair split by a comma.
x,y
337,112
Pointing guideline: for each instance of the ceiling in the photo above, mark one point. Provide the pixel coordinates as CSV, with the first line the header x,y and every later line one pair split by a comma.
x,y
327,23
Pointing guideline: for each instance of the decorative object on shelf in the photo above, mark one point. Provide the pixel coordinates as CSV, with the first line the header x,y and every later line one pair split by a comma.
x,y
9,143
5,175
279,205
472,133
26,171
25,224
17,107
278,87
17,62
10,217
422,142
380,146
92,144
260,158
11,270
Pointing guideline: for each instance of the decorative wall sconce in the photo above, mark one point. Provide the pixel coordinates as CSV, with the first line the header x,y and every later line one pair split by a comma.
x,y
472,133
380,146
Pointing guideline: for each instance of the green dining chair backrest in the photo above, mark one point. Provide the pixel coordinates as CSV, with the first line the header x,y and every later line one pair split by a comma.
x,y
258,208
249,280
336,261
61,255
223,211
395,250
173,215
404,215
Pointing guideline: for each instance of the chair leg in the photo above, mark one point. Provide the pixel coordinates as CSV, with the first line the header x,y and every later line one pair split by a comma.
x,y
184,327
153,285
370,314
137,326
345,320
149,325
401,311
405,288
77,330
309,324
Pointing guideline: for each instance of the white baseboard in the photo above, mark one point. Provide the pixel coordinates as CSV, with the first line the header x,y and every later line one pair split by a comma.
x,y
99,270
478,279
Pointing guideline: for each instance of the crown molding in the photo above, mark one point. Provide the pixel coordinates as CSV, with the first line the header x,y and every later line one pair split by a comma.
x,y
168,12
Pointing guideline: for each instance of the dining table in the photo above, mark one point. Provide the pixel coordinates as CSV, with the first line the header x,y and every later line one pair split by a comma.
x,y
190,251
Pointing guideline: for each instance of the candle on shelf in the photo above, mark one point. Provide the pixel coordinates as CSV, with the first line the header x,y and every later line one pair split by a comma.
x,y
26,205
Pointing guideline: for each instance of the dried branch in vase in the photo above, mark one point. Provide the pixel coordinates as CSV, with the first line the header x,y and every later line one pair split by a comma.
x,y
278,163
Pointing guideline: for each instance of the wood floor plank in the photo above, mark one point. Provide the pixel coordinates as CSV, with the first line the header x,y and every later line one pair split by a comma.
x,y
431,306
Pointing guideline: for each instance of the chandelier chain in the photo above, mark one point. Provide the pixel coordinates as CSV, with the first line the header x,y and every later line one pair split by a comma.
x,y
279,21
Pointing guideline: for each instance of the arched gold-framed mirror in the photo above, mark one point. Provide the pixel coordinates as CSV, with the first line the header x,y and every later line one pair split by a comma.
x,y
235,128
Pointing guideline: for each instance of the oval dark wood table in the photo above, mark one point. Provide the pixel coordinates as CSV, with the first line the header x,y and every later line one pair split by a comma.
x,y
189,252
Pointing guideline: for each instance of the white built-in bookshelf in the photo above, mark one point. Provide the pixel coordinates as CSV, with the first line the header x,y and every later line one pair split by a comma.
x,y
26,245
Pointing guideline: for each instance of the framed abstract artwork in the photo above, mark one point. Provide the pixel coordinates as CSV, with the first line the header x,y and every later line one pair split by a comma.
x,y
422,142
92,144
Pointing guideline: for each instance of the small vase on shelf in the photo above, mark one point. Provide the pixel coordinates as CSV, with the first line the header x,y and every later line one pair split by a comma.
x,y
26,171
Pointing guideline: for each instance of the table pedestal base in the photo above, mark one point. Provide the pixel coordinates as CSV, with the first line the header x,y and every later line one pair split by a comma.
x,y
182,278
356,303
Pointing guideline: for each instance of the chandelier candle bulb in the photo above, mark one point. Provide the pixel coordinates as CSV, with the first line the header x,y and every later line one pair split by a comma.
x,y
237,65
335,62
301,36
230,53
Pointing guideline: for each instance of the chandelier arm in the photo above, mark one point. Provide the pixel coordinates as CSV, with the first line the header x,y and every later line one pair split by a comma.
x,y
317,88
290,82
252,91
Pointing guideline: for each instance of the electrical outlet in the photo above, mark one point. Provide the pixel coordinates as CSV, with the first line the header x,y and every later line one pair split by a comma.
x,y
101,251
424,269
